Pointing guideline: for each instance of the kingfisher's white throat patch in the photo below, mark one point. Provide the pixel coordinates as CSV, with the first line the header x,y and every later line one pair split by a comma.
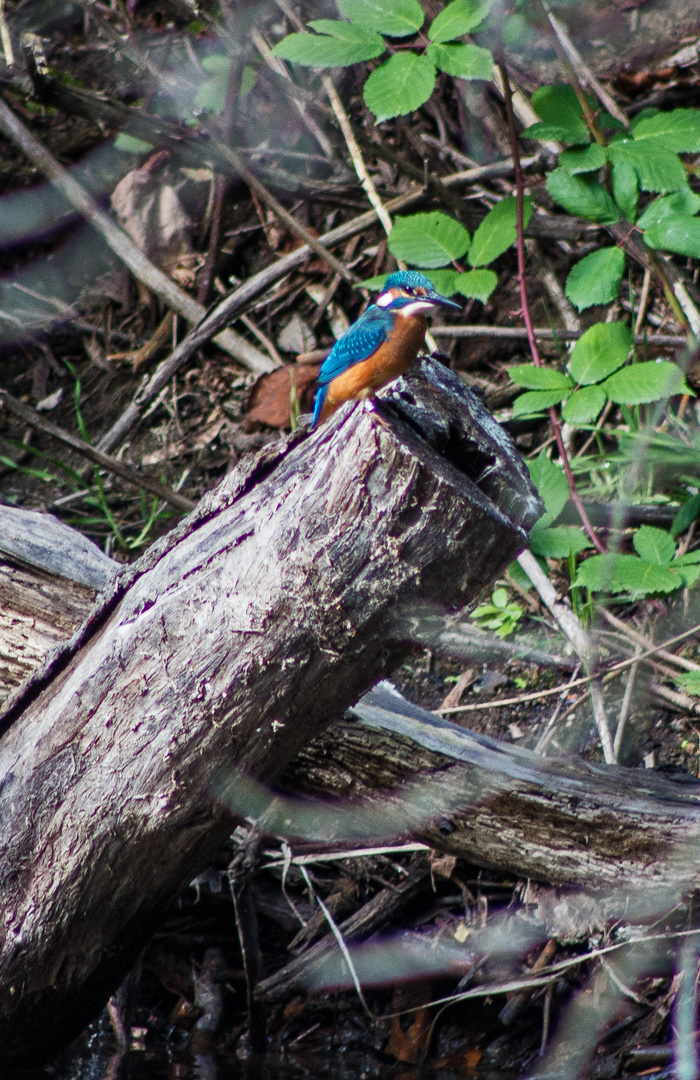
x,y
385,299
416,307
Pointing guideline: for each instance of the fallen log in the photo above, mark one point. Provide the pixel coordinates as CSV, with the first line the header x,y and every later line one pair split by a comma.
x,y
233,641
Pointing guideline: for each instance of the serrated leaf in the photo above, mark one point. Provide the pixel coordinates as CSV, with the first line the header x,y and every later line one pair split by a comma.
x,y
602,349
559,107
678,130
428,240
626,573
444,280
589,159
686,516
400,85
654,545
497,231
683,202
596,278
536,401
584,406
552,486
640,384
459,17
216,64
476,284
657,169
396,18
688,559
558,543
689,681
539,378
625,189
689,575
567,133
463,61
678,233
338,44
129,144
582,195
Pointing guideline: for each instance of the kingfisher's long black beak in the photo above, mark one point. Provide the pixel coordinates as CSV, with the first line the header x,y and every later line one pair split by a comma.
x,y
442,301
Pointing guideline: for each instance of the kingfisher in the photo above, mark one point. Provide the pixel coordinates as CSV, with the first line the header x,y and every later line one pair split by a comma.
x,y
381,345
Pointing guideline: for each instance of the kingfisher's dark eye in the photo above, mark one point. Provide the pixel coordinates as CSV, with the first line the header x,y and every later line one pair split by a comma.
x,y
410,290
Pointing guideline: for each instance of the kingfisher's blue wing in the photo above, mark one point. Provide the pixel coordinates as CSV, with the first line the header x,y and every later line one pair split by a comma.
x,y
362,339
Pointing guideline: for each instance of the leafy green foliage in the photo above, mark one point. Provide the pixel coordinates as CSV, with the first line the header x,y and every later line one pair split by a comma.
x,y
129,144
589,159
625,189
640,384
654,569
401,85
678,233
684,202
602,349
336,44
560,114
585,405
462,60
581,195
657,169
686,515
596,278
499,615
678,130
552,487
428,240
690,682
497,231
539,378
536,401
478,284
395,18
559,542
211,95
459,17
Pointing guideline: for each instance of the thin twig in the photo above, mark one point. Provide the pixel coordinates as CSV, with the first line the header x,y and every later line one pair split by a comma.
x,y
625,708
576,498
131,476
5,37
519,333
633,635
122,244
583,71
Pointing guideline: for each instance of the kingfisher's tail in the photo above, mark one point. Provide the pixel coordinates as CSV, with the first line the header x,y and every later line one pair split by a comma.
x,y
318,404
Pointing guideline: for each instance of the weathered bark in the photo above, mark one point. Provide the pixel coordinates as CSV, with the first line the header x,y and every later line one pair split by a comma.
x,y
232,642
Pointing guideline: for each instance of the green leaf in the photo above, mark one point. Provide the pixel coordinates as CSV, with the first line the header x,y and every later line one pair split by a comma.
x,y
336,46
463,61
678,233
686,515
537,401
497,231
211,95
688,559
602,349
249,77
689,574
396,18
478,284
217,64
596,278
681,202
654,545
625,189
689,681
561,132
584,406
678,130
374,284
131,145
558,543
499,598
559,109
444,281
640,384
626,573
581,195
517,33
539,378
401,85
552,486
657,169
428,240
590,159
459,17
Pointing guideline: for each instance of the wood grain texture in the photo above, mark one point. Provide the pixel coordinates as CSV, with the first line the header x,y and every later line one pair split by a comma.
x,y
229,644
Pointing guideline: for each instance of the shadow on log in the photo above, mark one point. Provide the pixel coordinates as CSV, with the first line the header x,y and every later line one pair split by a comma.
x,y
232,641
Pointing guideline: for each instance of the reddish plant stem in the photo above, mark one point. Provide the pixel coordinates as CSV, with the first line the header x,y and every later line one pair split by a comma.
x,y
519,201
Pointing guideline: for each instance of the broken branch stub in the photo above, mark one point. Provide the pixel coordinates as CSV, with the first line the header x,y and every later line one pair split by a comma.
x,y
231,643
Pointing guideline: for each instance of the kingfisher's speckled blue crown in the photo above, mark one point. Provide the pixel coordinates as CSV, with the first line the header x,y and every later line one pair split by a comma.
x,y
408,286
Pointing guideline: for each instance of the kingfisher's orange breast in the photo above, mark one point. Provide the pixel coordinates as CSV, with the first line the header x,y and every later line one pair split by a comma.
x,y
394,356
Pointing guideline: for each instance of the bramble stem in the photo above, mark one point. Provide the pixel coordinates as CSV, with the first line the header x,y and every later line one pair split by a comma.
x,y
554,419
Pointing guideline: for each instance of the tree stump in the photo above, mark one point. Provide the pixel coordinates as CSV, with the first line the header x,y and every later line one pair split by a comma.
x,y
232,642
